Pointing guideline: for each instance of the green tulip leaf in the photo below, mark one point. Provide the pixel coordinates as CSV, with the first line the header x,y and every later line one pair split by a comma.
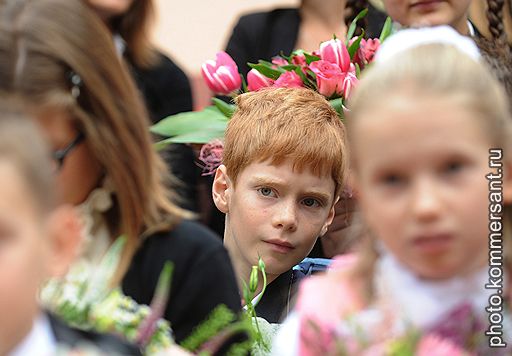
x,y
353,24
310,58
289,67
224,108
202,136
355,46
387,29
211,118
337,105
266,71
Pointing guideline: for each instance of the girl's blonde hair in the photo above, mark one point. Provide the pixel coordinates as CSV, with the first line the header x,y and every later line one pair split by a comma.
x,y
43,43
443,71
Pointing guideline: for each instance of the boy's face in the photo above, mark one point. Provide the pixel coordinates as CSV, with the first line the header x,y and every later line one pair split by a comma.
x,y
419,13
274,212
23,256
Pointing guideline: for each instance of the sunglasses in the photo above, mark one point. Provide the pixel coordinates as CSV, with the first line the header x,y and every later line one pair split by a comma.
x,y
59,155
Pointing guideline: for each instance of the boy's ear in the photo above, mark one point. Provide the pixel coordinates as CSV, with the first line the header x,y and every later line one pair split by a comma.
x,y
221,188
65,233
330,218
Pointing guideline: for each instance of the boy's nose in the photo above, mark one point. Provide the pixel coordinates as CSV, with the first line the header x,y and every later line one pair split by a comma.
x,y
426,204
285,217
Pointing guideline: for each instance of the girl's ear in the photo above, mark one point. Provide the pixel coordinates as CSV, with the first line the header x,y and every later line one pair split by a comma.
x,y
221,189
65,234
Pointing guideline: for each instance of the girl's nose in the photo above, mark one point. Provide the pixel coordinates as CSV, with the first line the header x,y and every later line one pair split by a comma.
x,y
426,202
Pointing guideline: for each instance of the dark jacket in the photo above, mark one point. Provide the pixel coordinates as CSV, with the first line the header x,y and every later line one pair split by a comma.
x,y
263,35
202,277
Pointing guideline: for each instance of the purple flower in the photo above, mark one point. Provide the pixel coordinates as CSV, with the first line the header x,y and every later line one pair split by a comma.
x,y
211,156
459,325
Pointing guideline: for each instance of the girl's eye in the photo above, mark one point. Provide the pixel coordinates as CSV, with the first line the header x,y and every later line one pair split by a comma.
x,y
311,202
392,179
453,167
266,192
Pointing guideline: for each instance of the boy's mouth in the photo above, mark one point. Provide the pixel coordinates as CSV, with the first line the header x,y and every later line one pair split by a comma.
x,y
280,246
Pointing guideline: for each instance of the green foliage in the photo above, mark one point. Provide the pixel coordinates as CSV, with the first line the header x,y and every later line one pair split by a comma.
x,y
337,104
310,58
218,319
387,30
225,108
353,24
192,127
266,70
352,49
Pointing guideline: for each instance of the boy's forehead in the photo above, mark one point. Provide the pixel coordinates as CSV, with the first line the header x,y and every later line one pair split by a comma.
x,y
288,171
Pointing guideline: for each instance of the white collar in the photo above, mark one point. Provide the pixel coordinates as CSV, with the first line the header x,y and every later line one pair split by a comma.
x,y
120,44
423,302
95,233
39,342
471,29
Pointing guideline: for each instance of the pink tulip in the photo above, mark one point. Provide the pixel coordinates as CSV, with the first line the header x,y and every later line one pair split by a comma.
x,y
299,60
329,77
279,61
256,80
366,51
288,80
334,51
370,47
349,82
221,75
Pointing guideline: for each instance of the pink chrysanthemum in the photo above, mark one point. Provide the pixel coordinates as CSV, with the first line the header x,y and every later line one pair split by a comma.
x,y
210,156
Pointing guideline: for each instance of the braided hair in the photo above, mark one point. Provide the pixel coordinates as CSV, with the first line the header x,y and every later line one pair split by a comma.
x,y
495,18
354,7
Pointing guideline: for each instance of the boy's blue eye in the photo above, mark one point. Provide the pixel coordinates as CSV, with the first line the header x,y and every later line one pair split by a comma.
x,y
311,203
265,191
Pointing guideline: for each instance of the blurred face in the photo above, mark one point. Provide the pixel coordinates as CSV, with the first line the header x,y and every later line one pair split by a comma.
x,y
273,212
80,172
107,9
23,257
420,168
420,13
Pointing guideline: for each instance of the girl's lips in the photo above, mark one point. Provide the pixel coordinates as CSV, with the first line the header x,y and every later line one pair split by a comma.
x,y
426,5
433,244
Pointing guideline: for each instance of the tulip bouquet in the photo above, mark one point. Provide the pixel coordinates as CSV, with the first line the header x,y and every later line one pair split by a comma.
x,y
332,71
